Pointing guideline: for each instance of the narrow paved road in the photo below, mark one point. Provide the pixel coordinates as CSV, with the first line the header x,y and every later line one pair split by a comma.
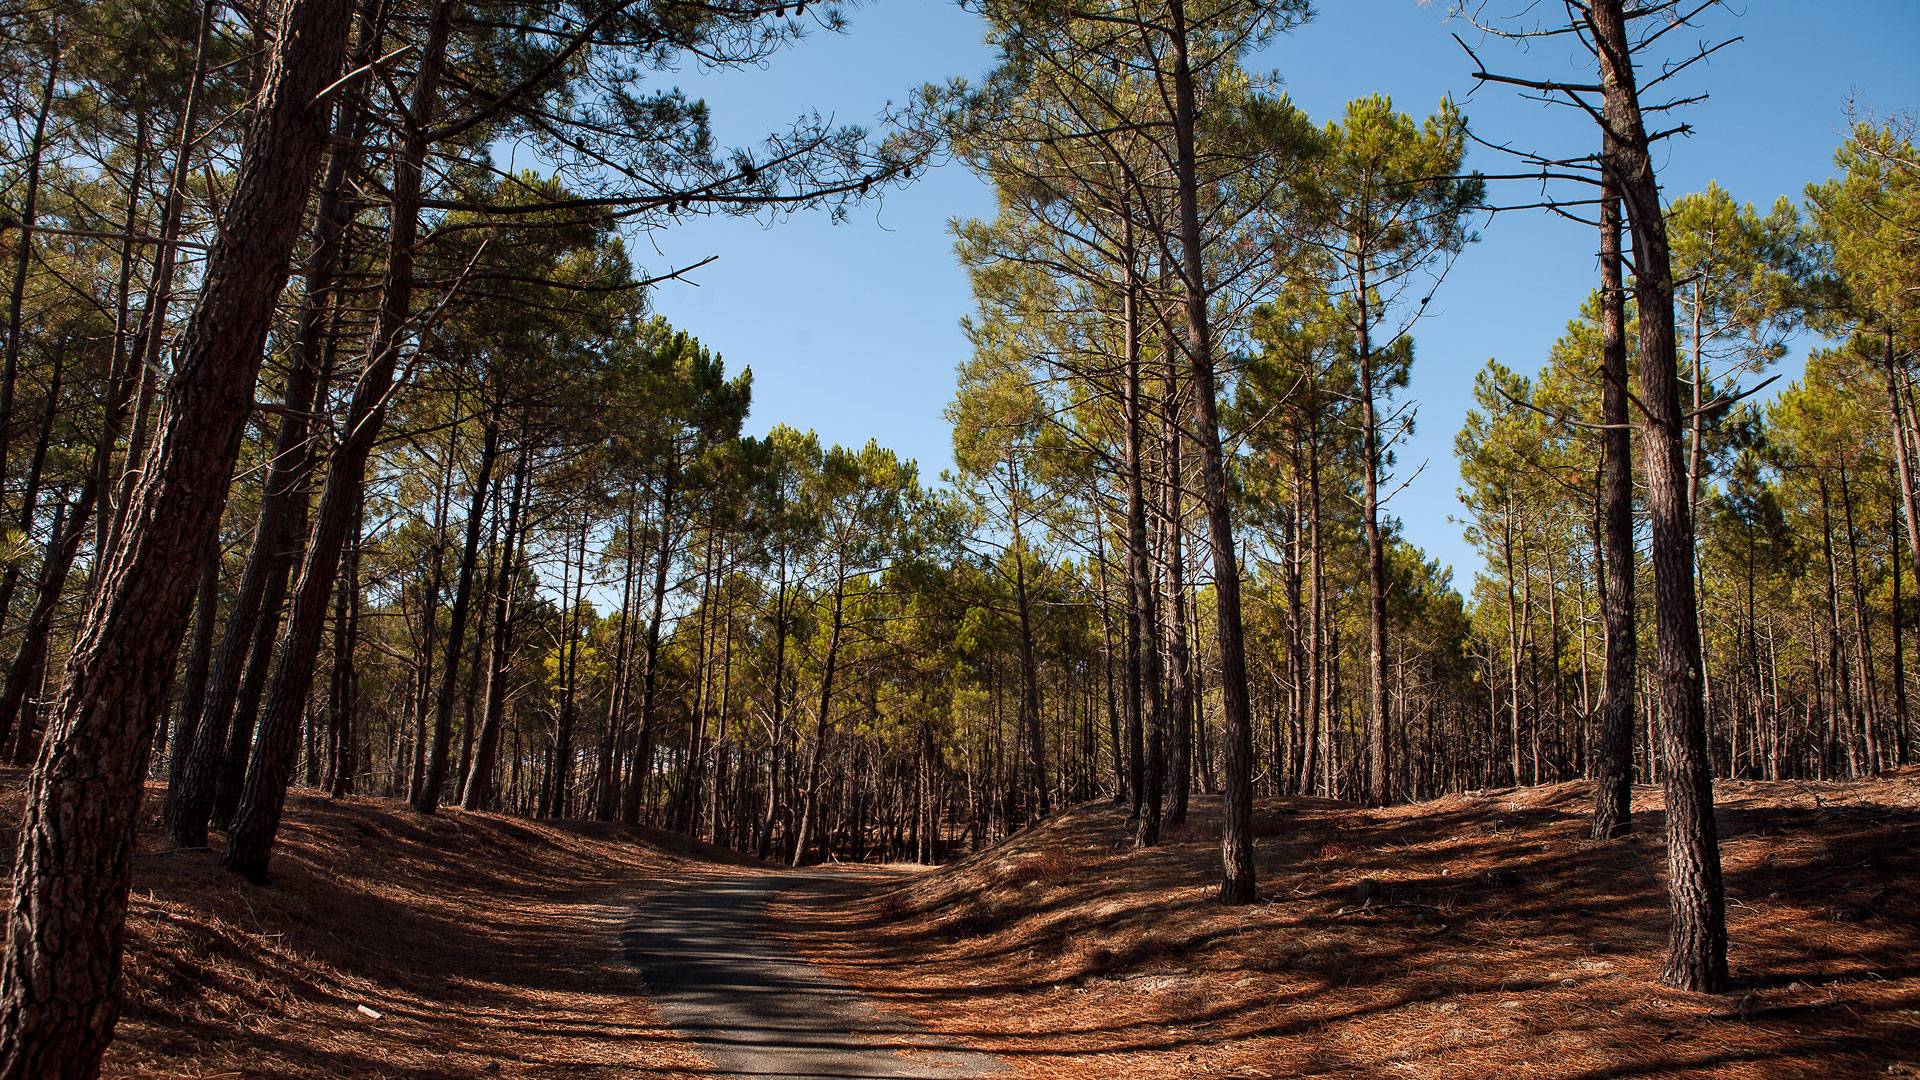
x,y
755,1009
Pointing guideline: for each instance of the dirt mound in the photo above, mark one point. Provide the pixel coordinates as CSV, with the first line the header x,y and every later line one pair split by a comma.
x,y
1479,935
486,945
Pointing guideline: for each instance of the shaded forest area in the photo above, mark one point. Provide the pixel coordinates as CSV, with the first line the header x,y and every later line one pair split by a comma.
x,y
338,458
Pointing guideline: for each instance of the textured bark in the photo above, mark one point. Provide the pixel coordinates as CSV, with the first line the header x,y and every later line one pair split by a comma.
x,y
257,821
1613,755
1236,835
58,987
206,765
1697,936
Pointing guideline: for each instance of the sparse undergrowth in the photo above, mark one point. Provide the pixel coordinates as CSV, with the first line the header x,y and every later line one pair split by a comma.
x,y
1478,935
487,945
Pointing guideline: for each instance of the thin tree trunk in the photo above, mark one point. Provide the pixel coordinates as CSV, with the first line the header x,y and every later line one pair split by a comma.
x,y
1236,836
429,796
1613,785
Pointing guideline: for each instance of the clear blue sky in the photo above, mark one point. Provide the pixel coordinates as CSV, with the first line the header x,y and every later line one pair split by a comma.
x,y
852,329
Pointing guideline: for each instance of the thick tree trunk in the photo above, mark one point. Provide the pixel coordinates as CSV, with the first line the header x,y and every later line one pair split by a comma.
x,y
205,763
59,983
1697,938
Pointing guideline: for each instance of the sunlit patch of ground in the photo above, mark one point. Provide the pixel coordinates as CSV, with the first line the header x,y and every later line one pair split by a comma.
x,y
1475,936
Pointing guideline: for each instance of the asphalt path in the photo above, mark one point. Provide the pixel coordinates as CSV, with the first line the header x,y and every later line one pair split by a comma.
x,y
753,1008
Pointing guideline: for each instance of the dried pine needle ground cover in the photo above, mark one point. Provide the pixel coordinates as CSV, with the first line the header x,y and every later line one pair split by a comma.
x,y
489,945
1476,936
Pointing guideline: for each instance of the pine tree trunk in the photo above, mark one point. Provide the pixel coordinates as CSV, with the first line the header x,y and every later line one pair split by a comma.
x,y
810,805
257,821
1613,785
1173,621
1236,836
203,762
429,796
59,983
23,252
650,675
1697,936
477,793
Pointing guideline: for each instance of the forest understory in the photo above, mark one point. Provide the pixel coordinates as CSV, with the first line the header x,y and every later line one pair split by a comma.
x,y
489,946
1479,935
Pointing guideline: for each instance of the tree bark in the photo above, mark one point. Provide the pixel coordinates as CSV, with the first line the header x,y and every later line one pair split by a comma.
x,y
205,765
477,793
1613,785
59,982
1236,836
257,821
1697,936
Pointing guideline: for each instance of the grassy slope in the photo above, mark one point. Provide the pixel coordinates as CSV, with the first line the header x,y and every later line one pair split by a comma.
x,y
488,945
1475,936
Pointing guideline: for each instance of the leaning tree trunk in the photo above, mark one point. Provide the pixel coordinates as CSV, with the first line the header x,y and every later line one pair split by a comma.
x,y
23,252
1697,938
1173,622
428,798
201,754
257,821
60,979
1613,787
477,792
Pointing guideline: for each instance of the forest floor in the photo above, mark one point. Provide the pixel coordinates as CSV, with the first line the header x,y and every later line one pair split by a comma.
x,y
489,946
1475,936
